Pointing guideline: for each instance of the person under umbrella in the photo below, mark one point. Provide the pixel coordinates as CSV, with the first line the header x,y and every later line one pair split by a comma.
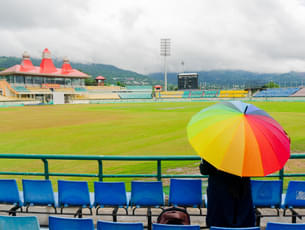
x,y
236,141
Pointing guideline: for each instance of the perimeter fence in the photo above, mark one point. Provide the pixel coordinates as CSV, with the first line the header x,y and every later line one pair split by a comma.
x,y
101,174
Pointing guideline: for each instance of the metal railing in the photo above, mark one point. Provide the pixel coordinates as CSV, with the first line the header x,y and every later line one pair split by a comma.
x,y
101,159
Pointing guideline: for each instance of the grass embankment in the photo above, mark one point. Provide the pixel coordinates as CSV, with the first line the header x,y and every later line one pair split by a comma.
x,y
116,129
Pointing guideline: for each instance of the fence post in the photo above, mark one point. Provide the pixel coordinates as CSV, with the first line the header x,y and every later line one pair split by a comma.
x,y
281,174
159,172
281,177
100,170
46,168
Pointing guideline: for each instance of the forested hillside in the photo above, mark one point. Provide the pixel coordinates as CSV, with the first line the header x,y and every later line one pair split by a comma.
x,y
207,79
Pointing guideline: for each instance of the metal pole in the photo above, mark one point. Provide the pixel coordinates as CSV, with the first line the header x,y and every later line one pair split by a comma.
x,y
46,168
165,74
100,170
165,51
159,172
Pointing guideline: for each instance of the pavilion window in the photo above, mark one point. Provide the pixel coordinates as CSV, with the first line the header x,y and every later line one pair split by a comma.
x,y
37,80
76,82
59,81
68,82
28,80
12,79
50,80
20,79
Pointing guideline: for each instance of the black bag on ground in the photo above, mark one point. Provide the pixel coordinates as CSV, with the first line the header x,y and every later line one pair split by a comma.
x,y
174,215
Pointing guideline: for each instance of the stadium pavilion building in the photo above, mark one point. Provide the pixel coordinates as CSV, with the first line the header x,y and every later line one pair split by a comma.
x,y
42,82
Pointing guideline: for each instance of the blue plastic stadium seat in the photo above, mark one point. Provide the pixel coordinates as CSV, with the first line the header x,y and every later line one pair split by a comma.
x,y
74,193
174,227
180,187
60,223
19,222
266,194
295,198
284,226
110,194
38,192
9,194
147,194
223,228
104,225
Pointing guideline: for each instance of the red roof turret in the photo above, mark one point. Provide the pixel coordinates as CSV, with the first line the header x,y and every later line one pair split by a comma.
x,y
47,65
66,67
26,64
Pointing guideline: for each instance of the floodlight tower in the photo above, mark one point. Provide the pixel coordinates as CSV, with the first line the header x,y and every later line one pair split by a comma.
x,y
165,51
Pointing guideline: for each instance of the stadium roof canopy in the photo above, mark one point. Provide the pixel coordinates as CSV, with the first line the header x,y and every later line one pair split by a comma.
x,y
46,68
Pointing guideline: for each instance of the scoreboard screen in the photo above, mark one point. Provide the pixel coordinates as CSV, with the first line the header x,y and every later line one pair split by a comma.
x,y
187,80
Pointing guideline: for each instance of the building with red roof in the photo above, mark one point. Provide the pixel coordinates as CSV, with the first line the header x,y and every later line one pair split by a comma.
x,y
46,73
100,80
27,79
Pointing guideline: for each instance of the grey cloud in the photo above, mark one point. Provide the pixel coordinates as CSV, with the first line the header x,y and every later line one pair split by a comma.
x,y
25,14
256,35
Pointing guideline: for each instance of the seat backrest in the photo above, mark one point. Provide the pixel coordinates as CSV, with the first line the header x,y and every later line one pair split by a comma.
x,y
147,193
9,193
19,222
174,227
73,193
223,228
180,187
295,195
104,225
38,192
61,223
266,193
284,226
110,193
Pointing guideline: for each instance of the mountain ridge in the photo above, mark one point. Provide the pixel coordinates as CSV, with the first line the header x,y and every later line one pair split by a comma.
x,y
207,79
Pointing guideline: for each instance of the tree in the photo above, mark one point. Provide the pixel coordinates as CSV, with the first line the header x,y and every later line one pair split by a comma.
x,y
120,84
271,84
90,81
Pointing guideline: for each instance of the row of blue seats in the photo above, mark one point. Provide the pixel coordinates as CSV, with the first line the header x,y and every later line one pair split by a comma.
x,y
265,193
277,92
143,194
76,193
59,223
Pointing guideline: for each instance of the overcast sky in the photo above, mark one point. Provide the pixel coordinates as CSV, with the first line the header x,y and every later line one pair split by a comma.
x,y
254,35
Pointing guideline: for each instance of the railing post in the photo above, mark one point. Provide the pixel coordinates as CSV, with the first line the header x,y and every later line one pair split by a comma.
x,y
281,177
100,170
281,174
46,168
159,172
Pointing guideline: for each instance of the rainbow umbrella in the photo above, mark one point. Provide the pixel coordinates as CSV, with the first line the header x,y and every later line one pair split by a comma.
x,y
239,138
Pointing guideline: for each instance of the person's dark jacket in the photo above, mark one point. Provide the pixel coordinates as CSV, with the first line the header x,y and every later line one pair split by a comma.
x,y
229,198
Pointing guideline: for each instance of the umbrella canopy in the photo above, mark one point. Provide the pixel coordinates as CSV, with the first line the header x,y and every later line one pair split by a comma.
x,y
239,138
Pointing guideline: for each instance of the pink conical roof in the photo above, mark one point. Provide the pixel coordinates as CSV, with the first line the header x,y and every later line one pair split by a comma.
x,y
66,67
26,63
47,65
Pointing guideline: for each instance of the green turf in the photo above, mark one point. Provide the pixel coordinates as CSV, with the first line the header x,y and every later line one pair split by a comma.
x,y
117,129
